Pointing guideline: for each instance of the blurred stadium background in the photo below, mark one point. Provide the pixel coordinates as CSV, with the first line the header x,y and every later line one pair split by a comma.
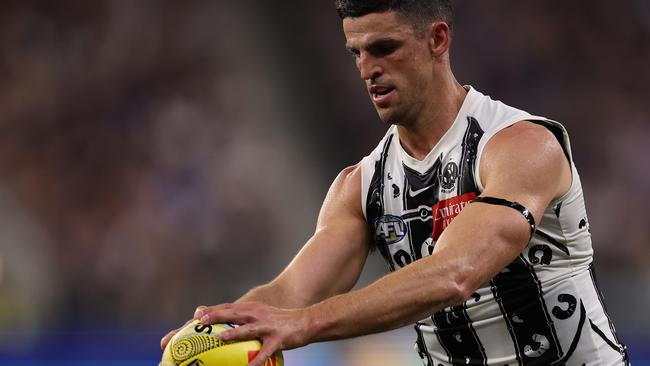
x,y
157,155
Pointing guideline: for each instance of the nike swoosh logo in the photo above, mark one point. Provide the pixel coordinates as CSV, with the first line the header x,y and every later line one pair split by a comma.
x,y
415,193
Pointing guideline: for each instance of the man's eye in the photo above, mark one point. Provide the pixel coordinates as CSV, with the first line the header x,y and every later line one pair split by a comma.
x,y
384,50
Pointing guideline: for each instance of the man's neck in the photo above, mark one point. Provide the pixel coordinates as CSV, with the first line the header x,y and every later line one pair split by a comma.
x,y
421,136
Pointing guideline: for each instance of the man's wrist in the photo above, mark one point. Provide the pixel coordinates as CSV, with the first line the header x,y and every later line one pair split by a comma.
x,y
315,323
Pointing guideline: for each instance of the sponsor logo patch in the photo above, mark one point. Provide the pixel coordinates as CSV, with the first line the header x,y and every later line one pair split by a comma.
x,y
444,212
390,229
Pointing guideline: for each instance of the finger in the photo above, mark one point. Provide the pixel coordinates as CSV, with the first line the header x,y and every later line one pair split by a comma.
x,y
268,350
201,311
164,340
198,313
233,313
242,333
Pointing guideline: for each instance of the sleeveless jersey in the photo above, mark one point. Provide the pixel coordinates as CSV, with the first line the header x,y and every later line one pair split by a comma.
x,y
542,309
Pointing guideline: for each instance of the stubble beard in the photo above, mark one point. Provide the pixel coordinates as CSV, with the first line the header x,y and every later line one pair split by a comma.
x,y
395,116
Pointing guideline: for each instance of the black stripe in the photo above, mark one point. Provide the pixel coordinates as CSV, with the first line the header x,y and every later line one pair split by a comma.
x,y
407,223
413,214
476,338
507,320
384,158
428,185
437,333
553,242
592,273
422,346
576,338
473,135
429,178
603,336
549,321
458,338
375,201
521,301
622,348
557,209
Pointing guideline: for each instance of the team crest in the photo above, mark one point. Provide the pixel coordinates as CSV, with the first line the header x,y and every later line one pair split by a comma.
x,y
449,176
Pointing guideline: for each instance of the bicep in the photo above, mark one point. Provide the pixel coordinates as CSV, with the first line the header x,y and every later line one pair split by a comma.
x,y
331,261
523,164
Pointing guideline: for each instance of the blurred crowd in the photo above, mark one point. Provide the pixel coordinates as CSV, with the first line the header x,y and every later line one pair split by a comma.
x,y
155,155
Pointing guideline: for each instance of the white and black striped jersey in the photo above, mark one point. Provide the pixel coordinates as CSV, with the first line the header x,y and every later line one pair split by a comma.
x,y
544,308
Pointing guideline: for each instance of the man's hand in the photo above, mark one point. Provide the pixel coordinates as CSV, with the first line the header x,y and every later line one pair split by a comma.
x,y
276,328
329,264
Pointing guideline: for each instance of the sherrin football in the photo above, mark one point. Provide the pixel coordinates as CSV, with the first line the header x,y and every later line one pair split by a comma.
x,y
198,344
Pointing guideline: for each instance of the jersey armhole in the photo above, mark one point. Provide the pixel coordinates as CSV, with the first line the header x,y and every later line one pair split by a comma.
x,y
562,137
555,127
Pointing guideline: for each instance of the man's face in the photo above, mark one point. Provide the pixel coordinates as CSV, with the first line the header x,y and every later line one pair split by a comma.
x,y
394,63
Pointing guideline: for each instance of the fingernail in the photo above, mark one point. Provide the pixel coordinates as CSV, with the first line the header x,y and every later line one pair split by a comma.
x,y
205,319
198,312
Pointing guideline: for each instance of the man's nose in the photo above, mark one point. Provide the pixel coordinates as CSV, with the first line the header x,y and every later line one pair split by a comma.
x,y
368,67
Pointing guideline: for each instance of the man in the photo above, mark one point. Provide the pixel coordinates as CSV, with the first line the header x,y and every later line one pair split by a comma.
x,y
475,205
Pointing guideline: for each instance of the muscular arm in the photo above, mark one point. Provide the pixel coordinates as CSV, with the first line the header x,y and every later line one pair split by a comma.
x,y
332,259
524,163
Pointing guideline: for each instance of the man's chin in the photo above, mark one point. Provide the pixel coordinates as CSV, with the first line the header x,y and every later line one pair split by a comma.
x,y
387,117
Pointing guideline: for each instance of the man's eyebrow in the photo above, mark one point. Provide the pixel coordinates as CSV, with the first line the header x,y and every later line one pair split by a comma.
x,y
351,49
374,43
383,41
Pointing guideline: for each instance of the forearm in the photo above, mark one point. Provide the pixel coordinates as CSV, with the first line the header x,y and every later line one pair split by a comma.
x,y
274,294
263,294
462,260
400,298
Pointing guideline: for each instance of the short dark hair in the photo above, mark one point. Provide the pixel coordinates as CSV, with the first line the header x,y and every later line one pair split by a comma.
x,y
420,12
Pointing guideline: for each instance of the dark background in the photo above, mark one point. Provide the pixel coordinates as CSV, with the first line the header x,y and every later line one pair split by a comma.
x,y
156,155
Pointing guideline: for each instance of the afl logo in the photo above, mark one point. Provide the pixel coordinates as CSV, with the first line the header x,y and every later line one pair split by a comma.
x,y
390,229
449,176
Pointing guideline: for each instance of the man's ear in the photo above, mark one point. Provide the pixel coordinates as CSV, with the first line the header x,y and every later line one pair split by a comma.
x,y
439,38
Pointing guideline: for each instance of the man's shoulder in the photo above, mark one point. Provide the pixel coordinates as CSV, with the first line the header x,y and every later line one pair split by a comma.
x,y
348,181
525,133
493,114
350,173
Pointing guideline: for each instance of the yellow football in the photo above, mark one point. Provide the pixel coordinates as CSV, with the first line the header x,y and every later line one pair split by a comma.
x,y
198,344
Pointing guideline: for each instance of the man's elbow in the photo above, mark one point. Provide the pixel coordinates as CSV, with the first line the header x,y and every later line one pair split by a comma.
x,y
460,286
